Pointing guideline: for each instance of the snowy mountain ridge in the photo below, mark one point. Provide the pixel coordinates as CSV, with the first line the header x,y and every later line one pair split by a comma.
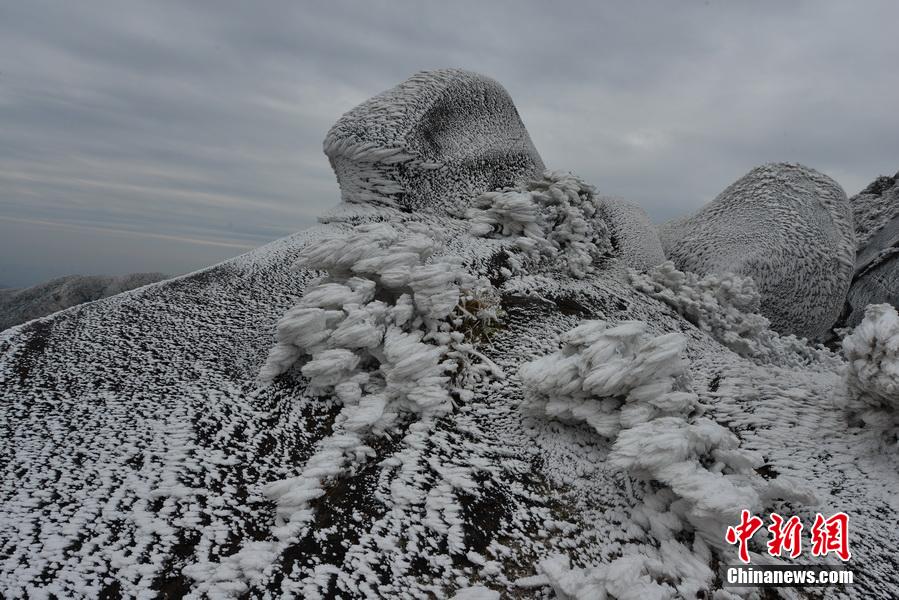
x,y
493,387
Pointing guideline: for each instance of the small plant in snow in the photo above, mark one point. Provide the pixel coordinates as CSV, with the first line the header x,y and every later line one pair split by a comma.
x,y
872,376
555,218
609,377
726,307
385,333
672,570
630,387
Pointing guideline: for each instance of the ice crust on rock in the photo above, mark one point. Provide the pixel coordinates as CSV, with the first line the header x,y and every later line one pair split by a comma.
x,y
874,207
876,277
634,237
786,226
432,142
872,376
555,220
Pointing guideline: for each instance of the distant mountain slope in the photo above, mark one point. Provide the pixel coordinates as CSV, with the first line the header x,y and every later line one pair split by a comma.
x,y
24,304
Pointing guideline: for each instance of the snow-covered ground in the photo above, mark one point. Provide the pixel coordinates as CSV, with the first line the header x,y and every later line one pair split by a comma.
x,y
20,305
512,402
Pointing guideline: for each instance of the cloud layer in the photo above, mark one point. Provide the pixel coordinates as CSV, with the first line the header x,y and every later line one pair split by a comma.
x,y
198,126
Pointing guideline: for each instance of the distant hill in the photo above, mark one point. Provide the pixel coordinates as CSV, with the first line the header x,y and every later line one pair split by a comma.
x,y
24,304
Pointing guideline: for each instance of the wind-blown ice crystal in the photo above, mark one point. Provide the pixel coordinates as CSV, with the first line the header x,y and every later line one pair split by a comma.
x,y
554,219
872,376
726,306
140,455
384,335
628,386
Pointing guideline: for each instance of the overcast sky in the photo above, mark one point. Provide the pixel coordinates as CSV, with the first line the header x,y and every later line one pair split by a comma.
x,y
168,136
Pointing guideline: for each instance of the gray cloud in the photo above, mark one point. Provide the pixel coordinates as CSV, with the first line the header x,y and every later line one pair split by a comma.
x,y
202,122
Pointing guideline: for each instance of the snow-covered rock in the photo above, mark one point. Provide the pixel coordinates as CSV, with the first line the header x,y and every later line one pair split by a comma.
x,y
876,278
786,226
141,455
438,139
633,236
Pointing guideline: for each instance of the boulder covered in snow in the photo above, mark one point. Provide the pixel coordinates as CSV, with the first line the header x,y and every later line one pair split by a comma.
x,y
876,279
437,139
633,235
786,226
426,404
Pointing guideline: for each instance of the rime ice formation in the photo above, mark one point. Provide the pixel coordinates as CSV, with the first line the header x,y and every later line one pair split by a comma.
x,y
20,305
435,140
347,411
633,235
726,307
626,385
876,278
555,218
872,377
786,226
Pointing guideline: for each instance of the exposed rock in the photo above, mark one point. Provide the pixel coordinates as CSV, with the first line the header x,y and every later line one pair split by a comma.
x,y
20,305
436,140
876,277
786,226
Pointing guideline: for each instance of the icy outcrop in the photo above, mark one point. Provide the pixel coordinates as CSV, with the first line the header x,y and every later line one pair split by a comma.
x,y
726,306
872,377
20,305
876,279
433,142
873,208
786,226
553,220
634,237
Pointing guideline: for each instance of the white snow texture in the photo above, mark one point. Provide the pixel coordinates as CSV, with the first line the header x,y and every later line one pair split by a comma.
x,y
786,226
475,379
